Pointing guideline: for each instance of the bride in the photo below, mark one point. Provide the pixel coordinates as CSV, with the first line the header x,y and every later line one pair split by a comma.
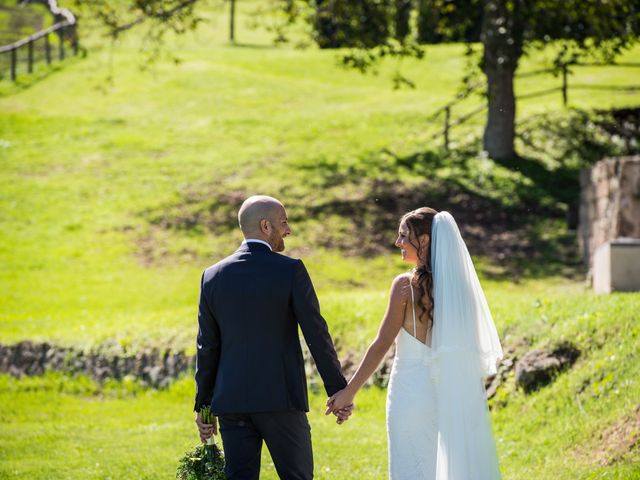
x,y
437,417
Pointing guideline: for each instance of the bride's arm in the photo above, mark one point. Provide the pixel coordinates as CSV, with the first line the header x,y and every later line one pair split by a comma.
x,y
387,333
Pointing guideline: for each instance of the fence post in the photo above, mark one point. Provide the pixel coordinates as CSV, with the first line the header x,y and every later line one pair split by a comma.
x,y
47,49
232,21
74,38
61,49
564,84
14,61
30,56
447,116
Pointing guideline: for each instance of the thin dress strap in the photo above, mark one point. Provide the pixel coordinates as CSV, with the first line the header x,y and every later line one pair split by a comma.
x,y
413,309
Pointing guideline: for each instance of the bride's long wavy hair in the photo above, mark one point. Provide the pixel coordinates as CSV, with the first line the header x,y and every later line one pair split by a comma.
x,y
419,223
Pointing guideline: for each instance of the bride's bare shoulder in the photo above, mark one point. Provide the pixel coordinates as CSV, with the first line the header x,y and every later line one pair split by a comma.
x,y
400,287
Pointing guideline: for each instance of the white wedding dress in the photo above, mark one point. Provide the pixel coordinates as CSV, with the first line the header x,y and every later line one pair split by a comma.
x,y
411,409
438,422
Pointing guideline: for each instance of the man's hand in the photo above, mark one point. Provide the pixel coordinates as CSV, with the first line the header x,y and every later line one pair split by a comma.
x,y
341,405
344,414
206,430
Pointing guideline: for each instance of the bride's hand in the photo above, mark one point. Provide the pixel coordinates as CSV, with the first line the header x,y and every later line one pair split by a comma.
x,y
339,401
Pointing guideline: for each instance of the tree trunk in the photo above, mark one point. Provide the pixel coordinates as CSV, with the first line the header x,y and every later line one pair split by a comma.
x,y
402,17
232,20
502,43
324,25
499,132
428,18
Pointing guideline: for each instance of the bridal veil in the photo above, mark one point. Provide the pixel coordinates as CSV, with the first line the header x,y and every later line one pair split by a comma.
x,y
466,348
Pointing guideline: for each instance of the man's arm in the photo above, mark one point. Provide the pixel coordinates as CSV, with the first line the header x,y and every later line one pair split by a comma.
x,y
208,352
315,331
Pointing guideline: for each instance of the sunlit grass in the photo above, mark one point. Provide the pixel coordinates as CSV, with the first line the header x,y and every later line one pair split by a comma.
x,y
119,428
93,149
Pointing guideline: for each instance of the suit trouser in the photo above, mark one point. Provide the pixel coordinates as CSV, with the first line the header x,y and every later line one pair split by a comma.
x,y
288,438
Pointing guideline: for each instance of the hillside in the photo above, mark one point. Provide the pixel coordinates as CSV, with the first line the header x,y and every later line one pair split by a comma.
x,y
119,185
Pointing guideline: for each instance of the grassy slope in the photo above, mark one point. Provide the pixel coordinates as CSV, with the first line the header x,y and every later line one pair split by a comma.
x,y
77,181
82,163
120,431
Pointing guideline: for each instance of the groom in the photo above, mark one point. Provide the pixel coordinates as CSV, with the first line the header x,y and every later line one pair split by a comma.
x,y
249,364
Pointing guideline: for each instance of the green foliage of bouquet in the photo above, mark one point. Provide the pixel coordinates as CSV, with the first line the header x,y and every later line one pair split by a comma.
x,y
204,462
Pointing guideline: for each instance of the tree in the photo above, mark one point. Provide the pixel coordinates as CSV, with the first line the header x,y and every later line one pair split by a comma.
x,y
502,48
380,28
159,17
509,30
355,23
512,28
402,18
445,21
232,20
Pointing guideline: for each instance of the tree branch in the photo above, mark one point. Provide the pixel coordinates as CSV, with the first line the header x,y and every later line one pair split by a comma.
x,y
162,15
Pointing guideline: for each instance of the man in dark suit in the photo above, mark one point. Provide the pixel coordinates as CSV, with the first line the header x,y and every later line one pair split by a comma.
x,y
249,365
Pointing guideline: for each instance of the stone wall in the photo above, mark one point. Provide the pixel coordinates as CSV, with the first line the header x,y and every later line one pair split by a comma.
x,y
157,369
150,366
609,203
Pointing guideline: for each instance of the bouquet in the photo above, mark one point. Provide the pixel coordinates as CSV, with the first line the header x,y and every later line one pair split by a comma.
x,y
204,462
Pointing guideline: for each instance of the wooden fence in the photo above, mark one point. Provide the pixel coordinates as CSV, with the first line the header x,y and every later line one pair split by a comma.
x,y
565,71
39,47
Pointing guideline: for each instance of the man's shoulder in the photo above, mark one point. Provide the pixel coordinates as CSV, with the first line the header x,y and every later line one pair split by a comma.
x,y
211,270
284,259
278,262
275,259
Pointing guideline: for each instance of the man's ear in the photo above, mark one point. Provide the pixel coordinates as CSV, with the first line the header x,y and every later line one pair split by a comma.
x,y
264,225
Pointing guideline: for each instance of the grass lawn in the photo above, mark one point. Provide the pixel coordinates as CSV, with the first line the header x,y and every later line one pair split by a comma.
x,y
564,431
127,433
100,180
118,186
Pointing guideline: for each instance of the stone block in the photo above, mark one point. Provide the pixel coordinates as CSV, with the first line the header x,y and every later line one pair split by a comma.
x,y
616,266
609,206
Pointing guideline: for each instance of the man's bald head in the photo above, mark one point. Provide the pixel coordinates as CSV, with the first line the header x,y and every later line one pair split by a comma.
x,y
257,208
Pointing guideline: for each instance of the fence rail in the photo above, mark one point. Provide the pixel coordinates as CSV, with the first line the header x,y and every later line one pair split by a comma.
x,y
65,33
564,71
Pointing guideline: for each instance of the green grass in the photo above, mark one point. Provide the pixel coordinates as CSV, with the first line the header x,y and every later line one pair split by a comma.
x,y
104,166
121,430
87,165
131,433
568,417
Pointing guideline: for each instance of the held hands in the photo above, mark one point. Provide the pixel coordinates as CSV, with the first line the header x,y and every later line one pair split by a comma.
x,y
343,414
206,430
341,405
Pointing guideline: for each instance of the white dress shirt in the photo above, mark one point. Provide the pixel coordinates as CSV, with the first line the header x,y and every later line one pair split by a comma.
x,y
255,240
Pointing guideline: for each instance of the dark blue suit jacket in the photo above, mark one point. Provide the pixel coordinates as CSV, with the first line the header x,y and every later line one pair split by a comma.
x,y
249,358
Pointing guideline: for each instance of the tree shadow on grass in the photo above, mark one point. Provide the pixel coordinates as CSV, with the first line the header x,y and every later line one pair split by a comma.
x,y
519,239
356,208
558,146
523,222
560,184
515,213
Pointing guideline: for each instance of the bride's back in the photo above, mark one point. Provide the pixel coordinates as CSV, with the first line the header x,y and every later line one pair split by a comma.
x,y
413,305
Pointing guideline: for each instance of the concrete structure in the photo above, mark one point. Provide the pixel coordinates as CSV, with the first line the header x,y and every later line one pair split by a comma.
x,y
616,266
609,223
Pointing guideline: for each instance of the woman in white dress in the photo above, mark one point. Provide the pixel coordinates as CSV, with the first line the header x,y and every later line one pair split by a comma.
x,y
437,417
